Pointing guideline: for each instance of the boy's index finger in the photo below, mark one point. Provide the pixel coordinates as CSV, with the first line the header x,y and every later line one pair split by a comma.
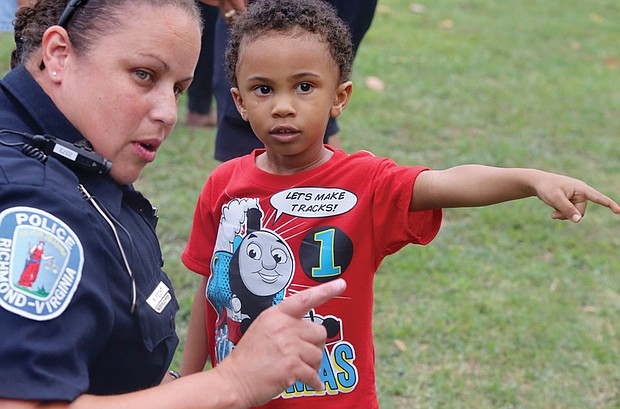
x,y
607,202
601,199
299,304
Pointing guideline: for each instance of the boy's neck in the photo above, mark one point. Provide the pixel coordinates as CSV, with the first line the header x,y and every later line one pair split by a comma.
x,y
283,165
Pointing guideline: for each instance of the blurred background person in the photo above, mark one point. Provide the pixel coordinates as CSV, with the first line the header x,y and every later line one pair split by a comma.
x,y
7,13
200,112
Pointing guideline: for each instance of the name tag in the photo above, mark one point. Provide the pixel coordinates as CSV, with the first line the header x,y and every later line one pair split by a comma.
x,y
159,298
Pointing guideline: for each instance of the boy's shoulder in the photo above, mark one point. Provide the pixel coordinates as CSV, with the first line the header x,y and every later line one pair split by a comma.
x,y
363,154
371,164
367,157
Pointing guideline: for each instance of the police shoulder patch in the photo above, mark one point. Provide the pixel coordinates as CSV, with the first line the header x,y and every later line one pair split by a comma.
x,y
41,261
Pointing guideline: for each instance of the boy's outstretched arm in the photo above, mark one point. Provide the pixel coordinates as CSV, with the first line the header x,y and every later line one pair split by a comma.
x,y
477,185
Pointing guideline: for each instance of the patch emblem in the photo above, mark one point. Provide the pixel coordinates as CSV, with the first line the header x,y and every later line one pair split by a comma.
x,y
41,262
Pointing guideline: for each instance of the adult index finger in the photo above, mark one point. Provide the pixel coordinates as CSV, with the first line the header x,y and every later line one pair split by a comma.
x,y
299,304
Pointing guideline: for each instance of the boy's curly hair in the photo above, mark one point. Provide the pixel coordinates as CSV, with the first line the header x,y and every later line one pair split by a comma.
x,y
314,16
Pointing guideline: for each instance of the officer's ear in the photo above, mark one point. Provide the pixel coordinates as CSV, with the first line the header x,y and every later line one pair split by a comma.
x,y
56,51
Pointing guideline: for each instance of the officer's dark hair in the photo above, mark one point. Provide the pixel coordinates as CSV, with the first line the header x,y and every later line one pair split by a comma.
x,y
315,16
90,21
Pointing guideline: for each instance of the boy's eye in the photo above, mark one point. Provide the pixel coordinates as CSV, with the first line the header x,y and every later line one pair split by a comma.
x,y
304,87
263,90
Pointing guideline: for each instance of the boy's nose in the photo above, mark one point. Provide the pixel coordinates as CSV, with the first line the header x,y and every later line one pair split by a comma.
x,y
283,106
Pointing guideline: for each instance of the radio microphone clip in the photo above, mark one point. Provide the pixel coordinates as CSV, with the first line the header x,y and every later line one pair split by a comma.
x,y
72,154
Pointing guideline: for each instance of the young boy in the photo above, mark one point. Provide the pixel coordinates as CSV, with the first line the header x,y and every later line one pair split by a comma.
x,y
299,213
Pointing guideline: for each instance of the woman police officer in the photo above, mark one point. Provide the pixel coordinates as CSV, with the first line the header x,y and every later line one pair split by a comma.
x,y
86,312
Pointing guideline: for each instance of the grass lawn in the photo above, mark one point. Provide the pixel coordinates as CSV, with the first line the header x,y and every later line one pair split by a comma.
x,y
506,308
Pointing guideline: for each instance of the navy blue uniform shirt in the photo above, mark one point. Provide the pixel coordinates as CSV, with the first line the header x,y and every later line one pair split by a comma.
x,y
66,326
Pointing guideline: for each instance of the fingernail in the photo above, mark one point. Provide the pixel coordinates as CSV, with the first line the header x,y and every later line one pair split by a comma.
x,y
339,284
576,217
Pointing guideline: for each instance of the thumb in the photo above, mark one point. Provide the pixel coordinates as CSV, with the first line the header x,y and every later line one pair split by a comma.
x,y
570,211
569,206
299,304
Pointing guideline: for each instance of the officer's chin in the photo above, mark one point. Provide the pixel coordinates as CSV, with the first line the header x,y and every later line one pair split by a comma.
x,y
125,175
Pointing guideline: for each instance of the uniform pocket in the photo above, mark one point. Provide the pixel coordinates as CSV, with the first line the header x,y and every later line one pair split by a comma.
x,y
156,311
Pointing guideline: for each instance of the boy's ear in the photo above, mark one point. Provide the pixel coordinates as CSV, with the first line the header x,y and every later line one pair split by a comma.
x,y
56,49
341,98
236,95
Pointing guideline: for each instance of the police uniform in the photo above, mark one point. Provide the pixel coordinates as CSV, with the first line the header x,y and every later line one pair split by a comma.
x,y
75,328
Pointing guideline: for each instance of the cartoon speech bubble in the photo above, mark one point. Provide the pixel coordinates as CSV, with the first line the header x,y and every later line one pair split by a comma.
x,y
312,202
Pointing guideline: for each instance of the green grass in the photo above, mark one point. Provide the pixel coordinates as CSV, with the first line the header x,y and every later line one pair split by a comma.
x,y
506,308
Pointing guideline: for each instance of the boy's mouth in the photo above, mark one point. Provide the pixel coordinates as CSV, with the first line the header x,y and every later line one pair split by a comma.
x,y
283,130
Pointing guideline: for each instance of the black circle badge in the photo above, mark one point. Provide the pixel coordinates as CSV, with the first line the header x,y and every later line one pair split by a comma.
x,y
325,253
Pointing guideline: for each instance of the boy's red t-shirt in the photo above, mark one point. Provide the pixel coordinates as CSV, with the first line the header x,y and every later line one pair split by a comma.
x,y
260,237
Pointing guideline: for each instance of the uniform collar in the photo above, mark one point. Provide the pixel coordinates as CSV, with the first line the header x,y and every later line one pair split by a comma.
x,y
112,196
43,115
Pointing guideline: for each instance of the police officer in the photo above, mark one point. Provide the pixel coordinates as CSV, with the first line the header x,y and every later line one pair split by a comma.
x,y
85,308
